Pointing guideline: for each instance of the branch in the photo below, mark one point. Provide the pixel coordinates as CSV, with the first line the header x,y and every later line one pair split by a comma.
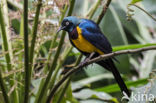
x,y
99,58
103,11
143,11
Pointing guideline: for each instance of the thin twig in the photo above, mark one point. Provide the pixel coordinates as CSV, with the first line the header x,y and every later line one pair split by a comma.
x,y
104,11
144,11
99,58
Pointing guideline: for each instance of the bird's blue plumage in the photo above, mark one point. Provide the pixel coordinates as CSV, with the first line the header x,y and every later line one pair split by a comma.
x,y
93,34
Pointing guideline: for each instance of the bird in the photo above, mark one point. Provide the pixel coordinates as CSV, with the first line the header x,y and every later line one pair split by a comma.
x,y
86,36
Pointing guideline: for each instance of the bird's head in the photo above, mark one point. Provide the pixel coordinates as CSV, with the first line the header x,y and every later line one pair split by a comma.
x,y
69,23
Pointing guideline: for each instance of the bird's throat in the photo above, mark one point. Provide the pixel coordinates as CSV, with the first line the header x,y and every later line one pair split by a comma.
x,y
74,34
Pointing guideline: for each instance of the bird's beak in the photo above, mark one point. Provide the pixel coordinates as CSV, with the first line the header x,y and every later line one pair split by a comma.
x,y
60,28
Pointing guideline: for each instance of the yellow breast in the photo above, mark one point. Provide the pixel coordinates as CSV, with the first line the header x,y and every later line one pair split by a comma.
x,y
82,44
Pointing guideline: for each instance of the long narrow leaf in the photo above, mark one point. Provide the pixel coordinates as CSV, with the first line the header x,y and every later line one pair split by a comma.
x,y
114,87
132,46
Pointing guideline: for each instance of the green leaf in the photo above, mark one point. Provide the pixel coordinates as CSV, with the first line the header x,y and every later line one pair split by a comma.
x,y
147,64
69,95
94,69
89,80
112,28
87,93
114,87
130,27
135,1
16,25
133,46
92,101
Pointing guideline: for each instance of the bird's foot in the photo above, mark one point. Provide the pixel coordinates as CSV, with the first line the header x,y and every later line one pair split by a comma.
x,y
84,62
87,59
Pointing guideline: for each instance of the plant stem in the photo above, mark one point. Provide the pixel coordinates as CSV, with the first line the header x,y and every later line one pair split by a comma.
x,y
21,76
5,41
7,26
3,88
144,11
46,83
4,24
72,2
49,56
92,11
59,65
34,34
78,59
26,53
53,79
64,90
63,13
103,11
54,40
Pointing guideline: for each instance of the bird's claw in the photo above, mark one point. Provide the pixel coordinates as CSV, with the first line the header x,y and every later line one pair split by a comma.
x,y
87,59
84,62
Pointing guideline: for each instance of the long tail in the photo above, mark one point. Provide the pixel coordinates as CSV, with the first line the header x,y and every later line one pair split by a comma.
x,y
109,65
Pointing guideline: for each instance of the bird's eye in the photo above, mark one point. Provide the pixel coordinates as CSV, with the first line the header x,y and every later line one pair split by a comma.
x,y
67,23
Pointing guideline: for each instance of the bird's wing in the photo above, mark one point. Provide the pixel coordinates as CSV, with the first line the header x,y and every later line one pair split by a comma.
x,y
92,33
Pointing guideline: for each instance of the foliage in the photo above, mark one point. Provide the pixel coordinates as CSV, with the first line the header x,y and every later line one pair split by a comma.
x,y
32,57
135,1
145,93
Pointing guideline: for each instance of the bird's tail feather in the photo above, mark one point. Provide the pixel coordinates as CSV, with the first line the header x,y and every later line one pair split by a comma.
x,y
109,65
